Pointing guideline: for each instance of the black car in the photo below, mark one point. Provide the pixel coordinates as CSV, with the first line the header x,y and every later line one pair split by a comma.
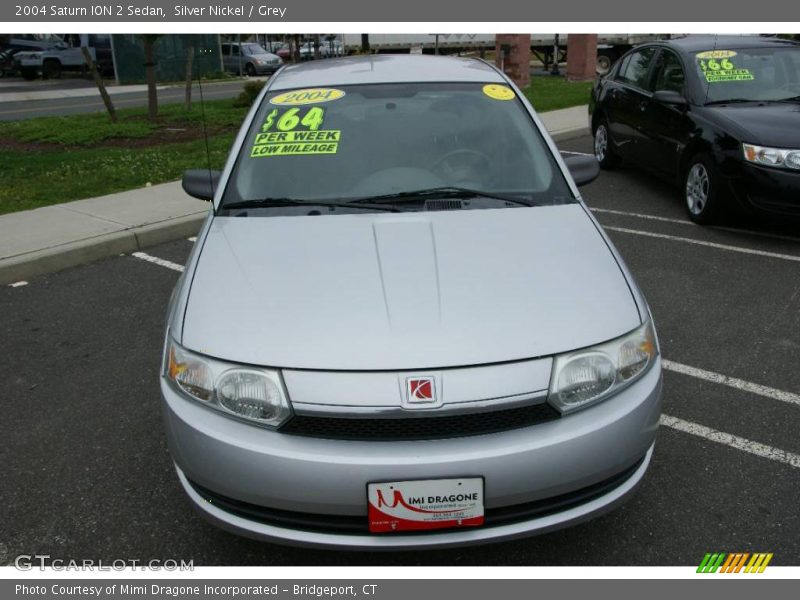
x,y
720,115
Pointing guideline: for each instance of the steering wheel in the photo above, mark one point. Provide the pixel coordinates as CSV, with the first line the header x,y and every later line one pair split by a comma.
x,y
461,164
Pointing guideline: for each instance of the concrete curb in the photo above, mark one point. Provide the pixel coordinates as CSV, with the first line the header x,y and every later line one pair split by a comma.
x,y
72,254
570,134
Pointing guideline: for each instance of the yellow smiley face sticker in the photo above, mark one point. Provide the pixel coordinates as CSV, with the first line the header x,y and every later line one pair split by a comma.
x,y
499,92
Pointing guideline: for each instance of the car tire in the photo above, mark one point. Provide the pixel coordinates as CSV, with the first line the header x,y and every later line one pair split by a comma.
x,y
51,69
701,190
604,150
250,70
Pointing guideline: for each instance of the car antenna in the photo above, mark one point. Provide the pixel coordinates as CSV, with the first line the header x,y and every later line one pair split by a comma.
x,y
205,135
708,83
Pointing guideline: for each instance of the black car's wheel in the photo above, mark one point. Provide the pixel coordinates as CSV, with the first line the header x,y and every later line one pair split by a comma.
x,y
250,70
604,149
701,190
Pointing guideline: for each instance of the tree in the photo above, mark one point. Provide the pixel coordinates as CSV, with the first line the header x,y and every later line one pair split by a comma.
x,y
296,49
149,40
98,80
189,65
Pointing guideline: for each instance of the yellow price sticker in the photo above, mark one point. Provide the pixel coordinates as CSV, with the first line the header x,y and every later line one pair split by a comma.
x,y
307,96
716,54
499,92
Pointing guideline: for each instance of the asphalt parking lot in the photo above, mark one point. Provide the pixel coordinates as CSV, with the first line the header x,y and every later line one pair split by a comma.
x,y
86,472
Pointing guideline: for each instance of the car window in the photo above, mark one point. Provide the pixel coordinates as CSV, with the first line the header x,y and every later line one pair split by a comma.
x,y
373,140
621,66
767,73
235,49
636,71
669,73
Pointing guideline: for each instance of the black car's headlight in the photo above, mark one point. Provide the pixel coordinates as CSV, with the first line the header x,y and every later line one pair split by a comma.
x,y
772,157
250,393
585,377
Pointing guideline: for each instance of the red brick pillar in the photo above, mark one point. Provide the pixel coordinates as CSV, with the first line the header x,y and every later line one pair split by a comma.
x,y
513,56
581,56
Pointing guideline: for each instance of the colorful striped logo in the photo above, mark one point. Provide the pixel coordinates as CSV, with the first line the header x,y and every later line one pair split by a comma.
x,y
734,562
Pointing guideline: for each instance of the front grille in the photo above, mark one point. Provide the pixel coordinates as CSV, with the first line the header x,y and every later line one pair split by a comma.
x,y
443,205
358,525
427,427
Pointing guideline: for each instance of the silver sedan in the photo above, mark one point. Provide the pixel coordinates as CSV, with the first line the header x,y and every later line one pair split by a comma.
x,y
400,326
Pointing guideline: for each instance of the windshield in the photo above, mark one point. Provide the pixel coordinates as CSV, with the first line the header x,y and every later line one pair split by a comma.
x,y
361,142
750,73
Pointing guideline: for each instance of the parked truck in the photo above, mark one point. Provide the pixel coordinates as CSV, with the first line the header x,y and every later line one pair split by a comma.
x,y
51,62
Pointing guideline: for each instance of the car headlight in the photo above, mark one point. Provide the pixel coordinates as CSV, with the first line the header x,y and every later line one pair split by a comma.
x,y
254,394
587,376
772,157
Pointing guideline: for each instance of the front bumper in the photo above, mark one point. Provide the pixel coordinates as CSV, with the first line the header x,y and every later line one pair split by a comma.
x,y
612,441
767,189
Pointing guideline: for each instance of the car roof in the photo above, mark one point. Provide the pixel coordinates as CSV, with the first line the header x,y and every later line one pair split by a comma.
x,y
697,43
385,68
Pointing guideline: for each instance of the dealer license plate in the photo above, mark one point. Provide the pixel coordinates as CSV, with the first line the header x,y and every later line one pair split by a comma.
x,y
425,504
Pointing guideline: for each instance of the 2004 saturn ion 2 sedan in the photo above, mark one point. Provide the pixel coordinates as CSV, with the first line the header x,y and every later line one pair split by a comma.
x,y
400,326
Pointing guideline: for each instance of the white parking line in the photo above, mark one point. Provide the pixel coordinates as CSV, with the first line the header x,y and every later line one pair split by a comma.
x,y
775,236
739,384
732,441
625,213
676,238
18,284
158,261
192,239
641,216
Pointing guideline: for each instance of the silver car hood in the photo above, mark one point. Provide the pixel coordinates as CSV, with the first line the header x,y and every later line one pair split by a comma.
x,y
393,291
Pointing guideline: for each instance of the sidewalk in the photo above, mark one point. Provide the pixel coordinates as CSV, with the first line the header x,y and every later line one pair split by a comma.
x,y
81,92
43,240
90,90
56,237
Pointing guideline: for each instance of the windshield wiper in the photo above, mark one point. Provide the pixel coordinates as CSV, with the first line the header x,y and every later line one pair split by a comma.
x,y
273,202
440,192
731,101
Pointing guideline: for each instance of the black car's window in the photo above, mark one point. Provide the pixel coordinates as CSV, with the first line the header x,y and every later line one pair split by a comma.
x,y
767,73
621,66
669,73
636,71
372,140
